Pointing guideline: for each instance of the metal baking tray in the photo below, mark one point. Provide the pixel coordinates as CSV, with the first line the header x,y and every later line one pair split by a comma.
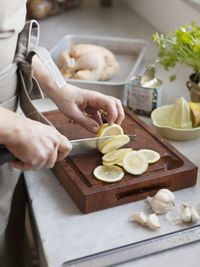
x,y
129,53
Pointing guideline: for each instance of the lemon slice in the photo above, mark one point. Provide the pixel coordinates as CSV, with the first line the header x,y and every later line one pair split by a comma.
x,y
108,130
151,155
120,163
114,143
115,155
109,163
135,163
108,173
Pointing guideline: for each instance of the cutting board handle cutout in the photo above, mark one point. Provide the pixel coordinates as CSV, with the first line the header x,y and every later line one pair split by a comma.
x,y
148,191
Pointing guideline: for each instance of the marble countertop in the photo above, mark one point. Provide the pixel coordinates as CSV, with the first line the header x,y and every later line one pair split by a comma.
x,y
64,233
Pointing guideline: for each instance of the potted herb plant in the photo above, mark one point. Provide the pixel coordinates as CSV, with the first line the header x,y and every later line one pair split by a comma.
x,y
182,46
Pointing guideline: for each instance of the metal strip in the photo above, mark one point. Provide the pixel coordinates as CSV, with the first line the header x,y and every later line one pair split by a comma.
x,y
138,249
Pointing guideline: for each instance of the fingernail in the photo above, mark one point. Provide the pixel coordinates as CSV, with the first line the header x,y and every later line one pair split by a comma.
x,y
95,129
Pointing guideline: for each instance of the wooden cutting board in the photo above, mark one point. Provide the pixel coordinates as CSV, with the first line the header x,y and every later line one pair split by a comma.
x,y
173,171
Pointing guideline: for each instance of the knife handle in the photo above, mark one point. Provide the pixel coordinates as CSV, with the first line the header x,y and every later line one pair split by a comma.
x,y
5,155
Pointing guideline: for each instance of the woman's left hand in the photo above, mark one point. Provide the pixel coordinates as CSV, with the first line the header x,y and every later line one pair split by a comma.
x,y
83,106
79,104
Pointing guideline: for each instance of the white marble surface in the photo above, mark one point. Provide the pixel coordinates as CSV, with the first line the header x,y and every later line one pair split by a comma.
x,y
64,232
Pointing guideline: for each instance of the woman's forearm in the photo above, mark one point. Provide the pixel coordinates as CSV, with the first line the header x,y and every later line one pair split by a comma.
x,y
45,80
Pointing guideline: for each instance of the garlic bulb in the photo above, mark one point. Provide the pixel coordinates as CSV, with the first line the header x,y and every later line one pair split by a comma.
x,y
139,217
153,222
189,213
163,201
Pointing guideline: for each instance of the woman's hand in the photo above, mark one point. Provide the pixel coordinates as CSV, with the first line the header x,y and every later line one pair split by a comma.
x,y
35,144
76,102
83,106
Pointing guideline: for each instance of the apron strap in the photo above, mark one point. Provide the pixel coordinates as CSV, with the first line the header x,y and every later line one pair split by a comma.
x,y
30,89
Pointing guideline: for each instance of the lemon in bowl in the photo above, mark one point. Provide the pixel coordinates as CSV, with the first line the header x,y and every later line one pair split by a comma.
x,y
175,122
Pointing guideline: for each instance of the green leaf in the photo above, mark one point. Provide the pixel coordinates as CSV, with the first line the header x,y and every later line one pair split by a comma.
x,y
148,66
172,78
180,46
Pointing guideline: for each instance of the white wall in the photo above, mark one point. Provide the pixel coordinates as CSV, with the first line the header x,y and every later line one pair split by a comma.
x,y
165,15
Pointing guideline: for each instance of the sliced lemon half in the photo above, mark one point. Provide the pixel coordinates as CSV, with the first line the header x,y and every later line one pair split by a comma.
x,y
108,130
151,155
108,174
114,143
135,163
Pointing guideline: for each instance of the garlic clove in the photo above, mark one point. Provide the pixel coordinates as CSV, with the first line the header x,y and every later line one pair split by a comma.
x,y
139,217
153,222
166,196
159,207
186,214
149,200
163,201
195,215
156,206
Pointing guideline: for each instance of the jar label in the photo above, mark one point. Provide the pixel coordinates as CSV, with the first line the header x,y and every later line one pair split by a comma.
x,y
140,98
143,100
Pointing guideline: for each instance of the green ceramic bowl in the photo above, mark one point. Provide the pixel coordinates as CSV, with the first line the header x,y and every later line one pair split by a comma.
x,y
159,118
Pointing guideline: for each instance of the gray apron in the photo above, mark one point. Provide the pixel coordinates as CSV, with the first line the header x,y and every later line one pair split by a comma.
x,y
28,89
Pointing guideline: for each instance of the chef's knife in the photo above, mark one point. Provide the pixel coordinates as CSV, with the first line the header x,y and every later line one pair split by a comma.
x,y
79,146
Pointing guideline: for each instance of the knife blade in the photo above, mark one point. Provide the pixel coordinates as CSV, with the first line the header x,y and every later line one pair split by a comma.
x,y
88,145
79,146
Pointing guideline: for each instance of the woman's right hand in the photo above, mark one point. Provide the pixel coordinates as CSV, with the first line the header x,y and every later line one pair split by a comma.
x,y
34,144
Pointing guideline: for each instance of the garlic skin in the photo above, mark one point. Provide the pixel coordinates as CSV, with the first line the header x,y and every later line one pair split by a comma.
x,y
163,201
189,213
139,217
153,222
195,214
186,214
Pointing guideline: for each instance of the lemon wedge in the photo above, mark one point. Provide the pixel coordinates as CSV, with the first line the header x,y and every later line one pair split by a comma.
x,y
135,163
151,155
108,130
114,143
108,174
195,113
